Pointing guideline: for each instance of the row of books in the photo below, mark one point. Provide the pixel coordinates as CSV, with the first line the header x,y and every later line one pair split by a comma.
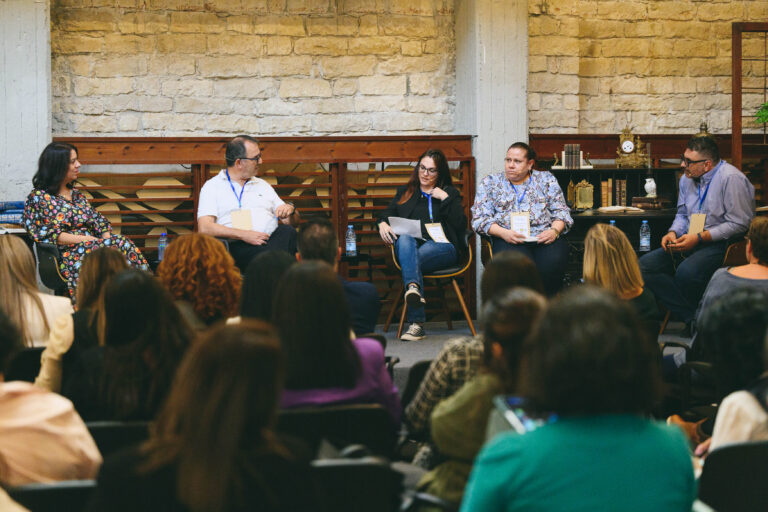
x,y
11,212
613,192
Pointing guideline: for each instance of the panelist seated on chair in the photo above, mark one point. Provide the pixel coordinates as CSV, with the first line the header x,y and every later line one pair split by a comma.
x,y
715,205
430,198
525,211
238,205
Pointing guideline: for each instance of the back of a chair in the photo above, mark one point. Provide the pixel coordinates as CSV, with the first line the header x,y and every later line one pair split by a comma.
x,y
358,485
24,365
68,496
47,258
112,436
415,376
736,254
734,477
341,425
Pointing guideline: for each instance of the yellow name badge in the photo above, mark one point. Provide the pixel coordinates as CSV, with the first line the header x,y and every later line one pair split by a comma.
x,y
520,222
696,225
435,231
241,219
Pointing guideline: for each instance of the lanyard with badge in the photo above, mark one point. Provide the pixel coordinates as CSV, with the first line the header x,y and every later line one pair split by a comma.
x,y
699,219
520,221
241,219
435,229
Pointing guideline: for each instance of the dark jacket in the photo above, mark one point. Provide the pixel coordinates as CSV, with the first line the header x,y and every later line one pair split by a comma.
x,y
450,215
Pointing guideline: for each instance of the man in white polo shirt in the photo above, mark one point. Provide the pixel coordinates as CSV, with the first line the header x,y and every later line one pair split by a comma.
x,y
237,205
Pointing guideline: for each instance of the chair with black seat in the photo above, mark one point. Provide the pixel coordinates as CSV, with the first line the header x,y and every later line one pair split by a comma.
x,y
734,476
368,484
24,365
415,376
47,258
444,278
341,425
112,436
68,496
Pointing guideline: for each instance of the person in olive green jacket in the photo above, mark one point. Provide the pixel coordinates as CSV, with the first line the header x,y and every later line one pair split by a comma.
x,y
459,422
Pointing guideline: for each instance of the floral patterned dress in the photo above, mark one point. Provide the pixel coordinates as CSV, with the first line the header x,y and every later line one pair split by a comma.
x,y
46,216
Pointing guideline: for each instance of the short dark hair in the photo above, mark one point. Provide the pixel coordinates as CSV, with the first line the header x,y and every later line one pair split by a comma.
x,y
506,270
262,276
10,340
52,167
732,334
507,319
318,241
530,154
758,237
590,355
236,148
706,147
312,318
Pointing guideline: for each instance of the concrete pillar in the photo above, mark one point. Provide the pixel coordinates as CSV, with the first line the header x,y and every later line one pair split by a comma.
x,y
25,92
491,79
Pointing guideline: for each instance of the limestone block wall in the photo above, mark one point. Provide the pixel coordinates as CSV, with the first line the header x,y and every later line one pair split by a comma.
x,y
271,67
661,66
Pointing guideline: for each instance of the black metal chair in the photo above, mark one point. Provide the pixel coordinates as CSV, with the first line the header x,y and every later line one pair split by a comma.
x,y
368,484
443,278
734,476
67,496
415,375
342,425
47,257
112,436
24,365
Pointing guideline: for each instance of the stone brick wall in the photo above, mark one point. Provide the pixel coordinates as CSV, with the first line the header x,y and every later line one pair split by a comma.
x,y
660,66
271,67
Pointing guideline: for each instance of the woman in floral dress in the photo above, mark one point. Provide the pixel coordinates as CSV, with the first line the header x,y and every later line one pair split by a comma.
x,y
55,212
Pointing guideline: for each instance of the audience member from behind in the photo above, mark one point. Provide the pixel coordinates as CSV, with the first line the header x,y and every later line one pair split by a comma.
x,y
590,363
202,277
72,334
459,422
213,447
29,310
42,439
260,284
128,376
611,263
323,366
318,241
732,336
461,358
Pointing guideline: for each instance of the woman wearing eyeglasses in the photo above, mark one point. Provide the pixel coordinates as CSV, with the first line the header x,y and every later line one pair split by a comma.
x,y
430,198
525,211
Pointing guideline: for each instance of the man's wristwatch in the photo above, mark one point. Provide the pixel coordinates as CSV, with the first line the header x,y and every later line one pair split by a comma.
x,y
698,235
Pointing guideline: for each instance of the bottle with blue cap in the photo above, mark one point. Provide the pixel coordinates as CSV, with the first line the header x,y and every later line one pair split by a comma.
x,y
162,243
645,237
351,241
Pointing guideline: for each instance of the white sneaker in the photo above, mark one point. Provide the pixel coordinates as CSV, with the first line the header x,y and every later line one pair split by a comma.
x,y
415,332
413,296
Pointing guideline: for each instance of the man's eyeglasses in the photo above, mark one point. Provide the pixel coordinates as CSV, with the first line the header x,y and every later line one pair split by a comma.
x,y
688,162
426,170
256,158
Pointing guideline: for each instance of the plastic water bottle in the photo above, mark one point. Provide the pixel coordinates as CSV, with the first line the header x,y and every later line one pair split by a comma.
x,y
645,237
351,241
612,222
162,243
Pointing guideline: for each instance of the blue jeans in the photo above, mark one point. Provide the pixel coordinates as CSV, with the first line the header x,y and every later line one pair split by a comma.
x,y
416,260
679,284
550,259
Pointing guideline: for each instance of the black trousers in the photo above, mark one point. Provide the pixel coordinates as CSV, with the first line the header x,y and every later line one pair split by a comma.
x,y
282,239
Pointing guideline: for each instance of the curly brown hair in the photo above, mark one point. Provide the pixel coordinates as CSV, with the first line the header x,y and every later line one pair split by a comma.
x,y
197,268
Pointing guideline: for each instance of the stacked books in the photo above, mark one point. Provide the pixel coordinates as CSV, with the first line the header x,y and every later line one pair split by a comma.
x,y
11,212
613,192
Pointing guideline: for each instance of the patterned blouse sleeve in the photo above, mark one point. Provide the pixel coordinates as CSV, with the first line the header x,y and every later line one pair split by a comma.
x,y
42,219
96,221
556,201
484,207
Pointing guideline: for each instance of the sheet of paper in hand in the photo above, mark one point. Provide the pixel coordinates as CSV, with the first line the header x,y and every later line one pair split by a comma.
x,y
403,226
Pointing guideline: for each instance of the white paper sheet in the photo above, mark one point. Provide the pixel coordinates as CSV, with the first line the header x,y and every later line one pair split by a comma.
x,y
403,226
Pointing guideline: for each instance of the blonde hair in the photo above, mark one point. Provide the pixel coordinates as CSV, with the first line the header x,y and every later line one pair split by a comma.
x,y
610,262
17,282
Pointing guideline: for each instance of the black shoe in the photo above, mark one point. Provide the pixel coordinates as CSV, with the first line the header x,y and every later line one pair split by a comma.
x,y
413,296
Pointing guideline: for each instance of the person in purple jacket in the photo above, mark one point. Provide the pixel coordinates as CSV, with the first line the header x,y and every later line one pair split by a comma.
x,y
324,365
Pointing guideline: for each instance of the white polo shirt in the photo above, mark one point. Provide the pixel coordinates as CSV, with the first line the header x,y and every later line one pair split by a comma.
x,y
219,200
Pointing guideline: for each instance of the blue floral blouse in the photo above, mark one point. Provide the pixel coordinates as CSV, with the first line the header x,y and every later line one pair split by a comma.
x,y
541,195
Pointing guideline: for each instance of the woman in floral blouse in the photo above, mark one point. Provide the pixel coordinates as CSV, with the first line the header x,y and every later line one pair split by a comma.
x,y
55,212
532,199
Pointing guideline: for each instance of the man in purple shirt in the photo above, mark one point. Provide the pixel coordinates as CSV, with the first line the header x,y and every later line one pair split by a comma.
x,y
714,207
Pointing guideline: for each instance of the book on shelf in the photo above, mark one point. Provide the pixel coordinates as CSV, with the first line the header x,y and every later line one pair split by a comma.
x,y
604,193
611,192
